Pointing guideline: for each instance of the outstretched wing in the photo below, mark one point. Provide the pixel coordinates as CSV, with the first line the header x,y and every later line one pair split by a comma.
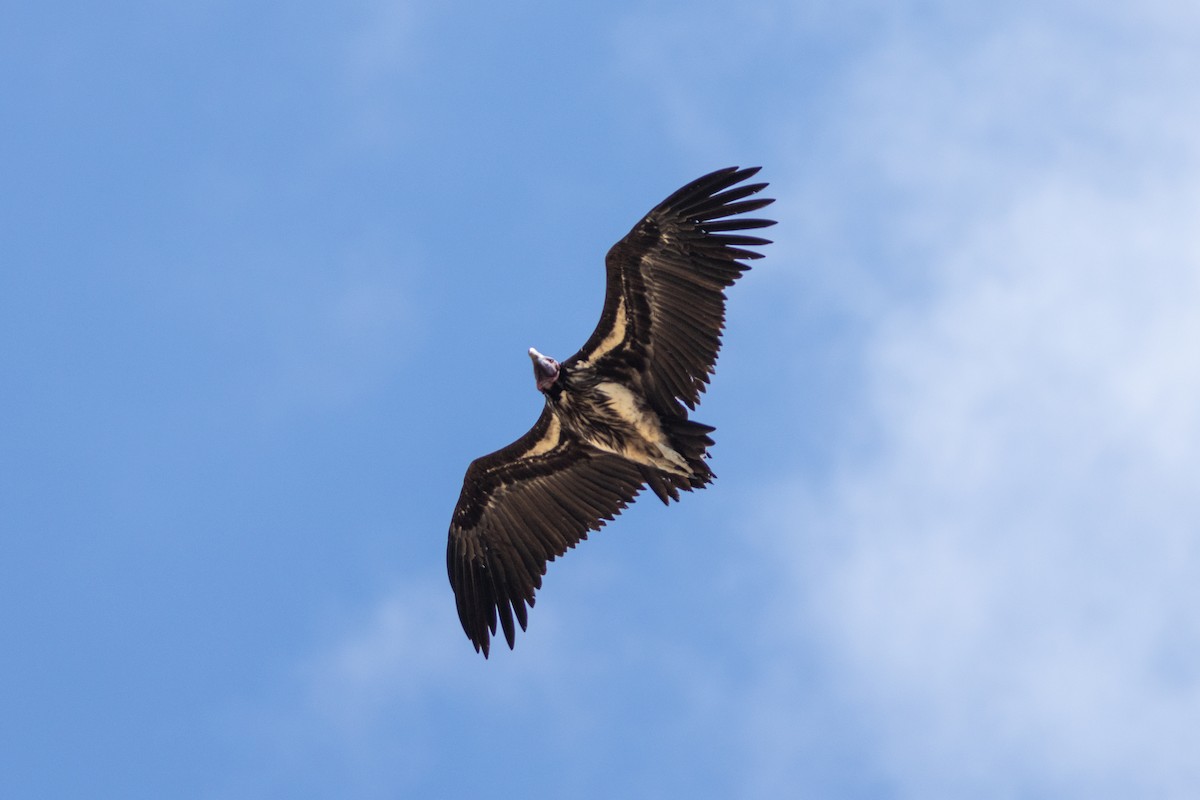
x,y
664,307
520,508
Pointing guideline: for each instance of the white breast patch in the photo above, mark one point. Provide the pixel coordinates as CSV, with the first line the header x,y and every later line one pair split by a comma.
x,y
628,409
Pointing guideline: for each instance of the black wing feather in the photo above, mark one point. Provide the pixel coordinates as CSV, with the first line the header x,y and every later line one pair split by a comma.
x,y
664,305
664,310
520,508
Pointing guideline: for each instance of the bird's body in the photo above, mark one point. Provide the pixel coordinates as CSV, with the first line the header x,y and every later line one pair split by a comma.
x,y
616,413
612,414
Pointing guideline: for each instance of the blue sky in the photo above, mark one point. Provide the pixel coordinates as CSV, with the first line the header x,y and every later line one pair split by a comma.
x,y
269,276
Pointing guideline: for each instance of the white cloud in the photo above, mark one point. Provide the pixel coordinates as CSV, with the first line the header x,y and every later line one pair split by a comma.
x,y
390,659
382,46
1005,579
992,591
382,54
1012,553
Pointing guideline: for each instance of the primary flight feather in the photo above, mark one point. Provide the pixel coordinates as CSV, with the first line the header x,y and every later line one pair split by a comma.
x,y
616,413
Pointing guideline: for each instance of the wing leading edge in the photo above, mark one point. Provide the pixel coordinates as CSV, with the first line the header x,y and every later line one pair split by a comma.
x,y
664,310
664,304
520,508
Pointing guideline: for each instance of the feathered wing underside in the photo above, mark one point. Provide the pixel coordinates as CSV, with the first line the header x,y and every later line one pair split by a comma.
x,y
664,306
664,311
521,507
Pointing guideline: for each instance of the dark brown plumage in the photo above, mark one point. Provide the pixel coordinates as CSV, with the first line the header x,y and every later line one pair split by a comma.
x,y
615,419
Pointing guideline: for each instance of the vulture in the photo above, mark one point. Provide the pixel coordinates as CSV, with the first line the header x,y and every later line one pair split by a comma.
x,y
615,418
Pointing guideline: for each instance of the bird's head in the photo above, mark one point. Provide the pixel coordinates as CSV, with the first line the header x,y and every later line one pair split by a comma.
x,y
545,370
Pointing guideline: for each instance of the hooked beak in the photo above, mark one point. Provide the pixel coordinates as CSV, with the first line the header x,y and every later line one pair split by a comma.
x,y
545,369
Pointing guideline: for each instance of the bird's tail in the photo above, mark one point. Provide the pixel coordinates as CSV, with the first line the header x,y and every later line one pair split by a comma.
x,y
690,440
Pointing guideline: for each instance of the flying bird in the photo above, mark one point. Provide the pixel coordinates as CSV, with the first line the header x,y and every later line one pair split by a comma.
x,y
616,413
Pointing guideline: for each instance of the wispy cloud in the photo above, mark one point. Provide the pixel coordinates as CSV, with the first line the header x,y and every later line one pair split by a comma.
x,y
1003,572
381,55
987,590
391,659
